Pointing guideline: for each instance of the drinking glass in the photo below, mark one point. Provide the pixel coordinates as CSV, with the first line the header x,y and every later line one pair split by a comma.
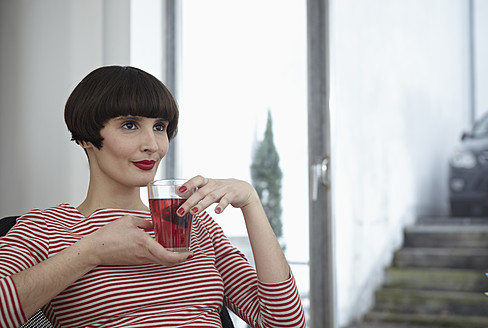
x,y
172,231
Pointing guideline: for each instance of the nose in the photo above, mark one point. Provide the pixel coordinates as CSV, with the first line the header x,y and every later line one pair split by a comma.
x,y
149,143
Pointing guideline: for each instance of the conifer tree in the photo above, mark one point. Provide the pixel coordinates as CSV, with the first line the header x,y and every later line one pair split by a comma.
x,y
266,177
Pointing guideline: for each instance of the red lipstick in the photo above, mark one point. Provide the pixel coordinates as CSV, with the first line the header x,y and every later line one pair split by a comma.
x,y
144,165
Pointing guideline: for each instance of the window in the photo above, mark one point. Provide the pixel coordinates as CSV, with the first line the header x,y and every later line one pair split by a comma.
x,y
239,60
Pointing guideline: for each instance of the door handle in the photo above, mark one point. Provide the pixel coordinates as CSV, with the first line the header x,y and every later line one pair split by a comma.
x,y
320,176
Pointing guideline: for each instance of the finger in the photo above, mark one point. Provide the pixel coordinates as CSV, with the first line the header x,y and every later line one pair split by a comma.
x,y
143,224
190,190
200,180
202,199
222,205
193,199
162,256
197,182
186,189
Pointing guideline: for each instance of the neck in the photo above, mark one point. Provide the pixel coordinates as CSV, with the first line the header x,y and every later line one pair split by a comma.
x,y
101,196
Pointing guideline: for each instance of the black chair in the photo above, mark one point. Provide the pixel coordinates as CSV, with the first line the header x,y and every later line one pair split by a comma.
x,y
39,320
7,223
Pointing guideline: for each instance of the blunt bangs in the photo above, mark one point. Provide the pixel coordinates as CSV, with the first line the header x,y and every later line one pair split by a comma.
x,y
114,91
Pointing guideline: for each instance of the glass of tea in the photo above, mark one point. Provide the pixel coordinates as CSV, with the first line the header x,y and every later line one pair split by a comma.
x,y
172,231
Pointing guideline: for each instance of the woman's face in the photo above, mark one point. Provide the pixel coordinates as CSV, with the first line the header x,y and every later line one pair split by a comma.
x,y
132,148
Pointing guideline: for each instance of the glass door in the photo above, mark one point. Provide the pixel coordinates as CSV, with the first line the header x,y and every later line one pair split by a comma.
x,y
243,69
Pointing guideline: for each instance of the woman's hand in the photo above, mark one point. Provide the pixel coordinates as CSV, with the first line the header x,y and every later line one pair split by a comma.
x,y
124,242
237,193
271,264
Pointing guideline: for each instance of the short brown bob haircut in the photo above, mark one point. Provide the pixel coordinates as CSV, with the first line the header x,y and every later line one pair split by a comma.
x,y
113,91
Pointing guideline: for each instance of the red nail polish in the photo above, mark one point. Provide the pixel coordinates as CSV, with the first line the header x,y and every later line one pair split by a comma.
x,y
218,210
194,210
189,257
182,189
181,211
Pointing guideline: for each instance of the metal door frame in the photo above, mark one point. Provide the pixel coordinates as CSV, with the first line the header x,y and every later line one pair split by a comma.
x,y
322,281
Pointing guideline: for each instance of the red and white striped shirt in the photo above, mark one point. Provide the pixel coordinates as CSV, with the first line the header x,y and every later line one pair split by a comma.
x,y
190,294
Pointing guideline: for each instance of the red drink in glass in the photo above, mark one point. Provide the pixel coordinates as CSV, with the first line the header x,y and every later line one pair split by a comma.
x,y
172,231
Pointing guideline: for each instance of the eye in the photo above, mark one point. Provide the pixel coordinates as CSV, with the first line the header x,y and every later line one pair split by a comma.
x,y
160,126
129,125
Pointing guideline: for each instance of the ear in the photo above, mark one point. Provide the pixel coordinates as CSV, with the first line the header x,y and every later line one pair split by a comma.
x,y
86,145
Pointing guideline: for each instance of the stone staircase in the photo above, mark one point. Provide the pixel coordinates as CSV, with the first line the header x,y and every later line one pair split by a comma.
x,y
437,279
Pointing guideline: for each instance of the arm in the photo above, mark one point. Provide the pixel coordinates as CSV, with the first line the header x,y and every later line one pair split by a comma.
x,y
267,297
271,264
120,242
39,284
260,304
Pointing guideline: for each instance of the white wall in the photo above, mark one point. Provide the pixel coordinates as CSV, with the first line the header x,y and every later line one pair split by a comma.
x,y
400,98
46,48
481,56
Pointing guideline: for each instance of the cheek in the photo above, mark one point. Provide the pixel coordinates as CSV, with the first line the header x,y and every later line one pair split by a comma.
x,y
163,149
163,146
119,150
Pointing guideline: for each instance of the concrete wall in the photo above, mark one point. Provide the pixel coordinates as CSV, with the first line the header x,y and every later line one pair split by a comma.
x,y
46,48
400,99
480,9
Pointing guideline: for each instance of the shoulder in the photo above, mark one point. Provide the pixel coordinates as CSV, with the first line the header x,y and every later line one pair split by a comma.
x,y
56,213
63,209
205,225
205,221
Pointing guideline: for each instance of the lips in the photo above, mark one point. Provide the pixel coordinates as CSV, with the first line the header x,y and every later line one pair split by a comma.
x,y
144,165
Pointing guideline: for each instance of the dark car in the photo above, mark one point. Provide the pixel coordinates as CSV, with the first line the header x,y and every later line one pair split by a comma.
x,y
468,173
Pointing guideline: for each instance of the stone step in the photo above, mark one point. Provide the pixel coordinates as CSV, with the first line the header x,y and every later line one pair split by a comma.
x,y
459,221
386,325
470,236
431,302
424,257
425,320
436,279
389,325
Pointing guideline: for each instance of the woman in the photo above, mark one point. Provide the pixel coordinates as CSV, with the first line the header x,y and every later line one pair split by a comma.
x,y
98,265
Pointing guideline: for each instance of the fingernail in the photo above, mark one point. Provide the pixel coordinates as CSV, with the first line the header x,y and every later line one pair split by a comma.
x,y
194,210
182,189
189,257
218,210
181,211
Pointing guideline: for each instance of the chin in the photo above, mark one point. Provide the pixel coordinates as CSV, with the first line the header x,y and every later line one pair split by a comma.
x,y
145,181
141,179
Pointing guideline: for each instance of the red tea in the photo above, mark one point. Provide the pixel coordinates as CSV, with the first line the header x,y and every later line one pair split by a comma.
x,y
172,231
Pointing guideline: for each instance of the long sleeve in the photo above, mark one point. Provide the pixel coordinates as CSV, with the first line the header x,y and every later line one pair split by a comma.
x,y
23,247
280,304
11,314
261,305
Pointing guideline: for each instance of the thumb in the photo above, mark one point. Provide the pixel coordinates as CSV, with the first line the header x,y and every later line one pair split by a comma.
x,y
166,257
143,224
